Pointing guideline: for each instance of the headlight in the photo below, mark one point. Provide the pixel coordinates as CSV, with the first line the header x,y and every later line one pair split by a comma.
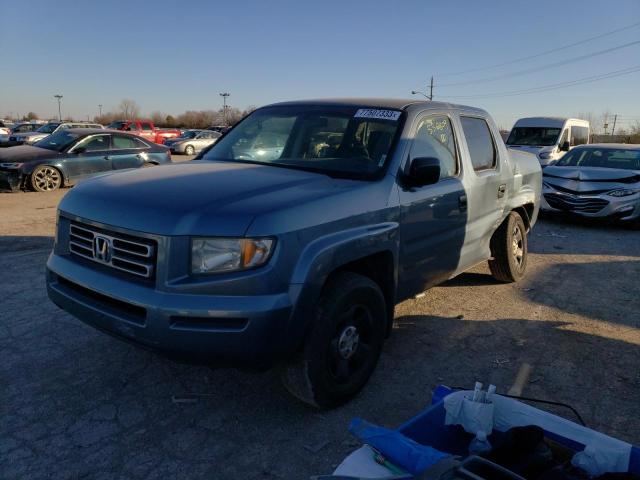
x,y
217,255
622,192
11,165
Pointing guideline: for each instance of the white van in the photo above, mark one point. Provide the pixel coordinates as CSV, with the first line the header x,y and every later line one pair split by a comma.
x,y
548,137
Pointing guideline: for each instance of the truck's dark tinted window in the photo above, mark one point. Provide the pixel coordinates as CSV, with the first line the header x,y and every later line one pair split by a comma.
x,y
434,138
480,143
579,135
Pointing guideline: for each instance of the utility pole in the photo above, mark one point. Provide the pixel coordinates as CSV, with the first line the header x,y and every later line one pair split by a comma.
x,y
418,92
100,107
224,106
613,129
59,97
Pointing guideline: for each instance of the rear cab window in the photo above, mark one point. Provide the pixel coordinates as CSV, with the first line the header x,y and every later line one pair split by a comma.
x,y
480,142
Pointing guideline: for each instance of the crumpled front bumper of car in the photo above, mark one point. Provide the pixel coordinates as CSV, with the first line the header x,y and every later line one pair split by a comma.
x,y
595,206
10,180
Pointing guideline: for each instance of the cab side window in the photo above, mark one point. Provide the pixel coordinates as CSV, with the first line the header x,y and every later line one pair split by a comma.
x,y
480,143
434,138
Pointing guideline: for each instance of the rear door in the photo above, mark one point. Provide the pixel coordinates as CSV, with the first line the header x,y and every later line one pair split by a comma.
x,y
486,185
127,151
433,216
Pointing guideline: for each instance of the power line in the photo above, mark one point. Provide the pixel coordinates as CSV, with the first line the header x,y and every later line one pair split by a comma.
x,y
541,54
542,67
554,86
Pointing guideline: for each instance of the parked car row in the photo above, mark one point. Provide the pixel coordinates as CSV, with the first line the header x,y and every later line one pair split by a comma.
x,y
33,136
579,178
72,154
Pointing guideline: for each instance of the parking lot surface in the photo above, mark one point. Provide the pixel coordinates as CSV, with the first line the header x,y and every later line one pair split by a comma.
x,y
79,404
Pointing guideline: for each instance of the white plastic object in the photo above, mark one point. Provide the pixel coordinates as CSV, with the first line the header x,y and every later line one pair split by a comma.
x,y
480,444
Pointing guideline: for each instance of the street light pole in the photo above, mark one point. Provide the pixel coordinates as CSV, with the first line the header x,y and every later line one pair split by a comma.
x,y
418,92
59,97
224,106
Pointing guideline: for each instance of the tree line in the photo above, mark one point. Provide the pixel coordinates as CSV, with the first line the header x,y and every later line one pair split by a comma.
x,y
129,110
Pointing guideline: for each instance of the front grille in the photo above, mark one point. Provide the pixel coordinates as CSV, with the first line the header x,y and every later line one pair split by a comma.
x,y
133,255
574,203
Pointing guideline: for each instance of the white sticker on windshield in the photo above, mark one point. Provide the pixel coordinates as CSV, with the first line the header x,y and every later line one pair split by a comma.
x,y
378,114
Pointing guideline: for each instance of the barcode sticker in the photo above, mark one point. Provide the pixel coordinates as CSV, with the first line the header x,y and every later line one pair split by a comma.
x,y
378,114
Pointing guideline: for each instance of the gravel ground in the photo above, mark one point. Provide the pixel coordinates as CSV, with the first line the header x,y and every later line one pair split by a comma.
x,y
76,403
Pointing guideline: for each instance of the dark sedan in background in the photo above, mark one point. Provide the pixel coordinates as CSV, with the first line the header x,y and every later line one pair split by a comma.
x,y
595,181
70,155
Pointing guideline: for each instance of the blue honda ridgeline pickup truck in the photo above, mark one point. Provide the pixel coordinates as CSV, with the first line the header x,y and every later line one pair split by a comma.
x,y
290,240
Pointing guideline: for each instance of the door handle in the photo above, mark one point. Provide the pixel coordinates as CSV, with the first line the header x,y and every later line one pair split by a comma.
x,y
462,202
501,190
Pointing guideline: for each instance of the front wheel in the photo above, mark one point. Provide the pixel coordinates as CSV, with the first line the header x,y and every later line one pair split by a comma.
x,y
344,344
509,250
45,179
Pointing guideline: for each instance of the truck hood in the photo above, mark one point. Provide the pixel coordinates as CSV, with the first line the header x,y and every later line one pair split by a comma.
x,y
25,154
590,179
196,197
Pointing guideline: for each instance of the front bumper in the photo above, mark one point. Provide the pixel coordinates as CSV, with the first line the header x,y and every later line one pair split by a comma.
x,y
10,180
592,206
248,331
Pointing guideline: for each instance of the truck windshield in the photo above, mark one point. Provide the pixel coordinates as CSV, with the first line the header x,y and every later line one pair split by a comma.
x,y
116,125
602,158
338,141
534,136
58,141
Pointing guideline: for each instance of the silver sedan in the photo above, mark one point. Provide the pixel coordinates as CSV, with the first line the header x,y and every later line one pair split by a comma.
x,y
192,141
595,181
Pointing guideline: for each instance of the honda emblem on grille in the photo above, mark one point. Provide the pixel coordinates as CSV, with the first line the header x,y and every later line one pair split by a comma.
x,y
102,249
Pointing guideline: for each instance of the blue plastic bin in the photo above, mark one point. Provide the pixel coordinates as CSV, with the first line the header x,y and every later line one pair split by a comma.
x,y
428,428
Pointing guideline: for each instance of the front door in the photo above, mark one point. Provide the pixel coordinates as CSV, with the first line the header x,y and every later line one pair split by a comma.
x,y
88,157
433,217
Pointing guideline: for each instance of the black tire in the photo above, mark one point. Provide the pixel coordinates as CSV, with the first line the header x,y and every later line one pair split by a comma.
x,y
189,150
45,178
344,344
509,250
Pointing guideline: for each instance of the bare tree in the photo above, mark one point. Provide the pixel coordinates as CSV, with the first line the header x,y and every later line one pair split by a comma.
x,y
129,109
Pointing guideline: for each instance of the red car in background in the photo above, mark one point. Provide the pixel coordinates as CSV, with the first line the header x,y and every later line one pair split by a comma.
x,y
146,129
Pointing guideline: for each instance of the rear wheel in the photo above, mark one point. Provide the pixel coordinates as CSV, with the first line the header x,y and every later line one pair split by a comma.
x,y
343,346
45,179
509,250
189,150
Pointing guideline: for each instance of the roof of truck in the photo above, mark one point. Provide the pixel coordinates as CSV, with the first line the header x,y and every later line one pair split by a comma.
x,y
395,103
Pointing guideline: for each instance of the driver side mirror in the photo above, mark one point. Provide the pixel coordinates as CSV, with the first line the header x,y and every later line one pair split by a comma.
x,y
564,147
424,171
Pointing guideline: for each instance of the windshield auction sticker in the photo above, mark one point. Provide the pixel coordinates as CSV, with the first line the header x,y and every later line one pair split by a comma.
x,y
377,114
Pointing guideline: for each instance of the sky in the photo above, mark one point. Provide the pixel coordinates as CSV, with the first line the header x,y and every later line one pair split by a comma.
x,y
173,56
